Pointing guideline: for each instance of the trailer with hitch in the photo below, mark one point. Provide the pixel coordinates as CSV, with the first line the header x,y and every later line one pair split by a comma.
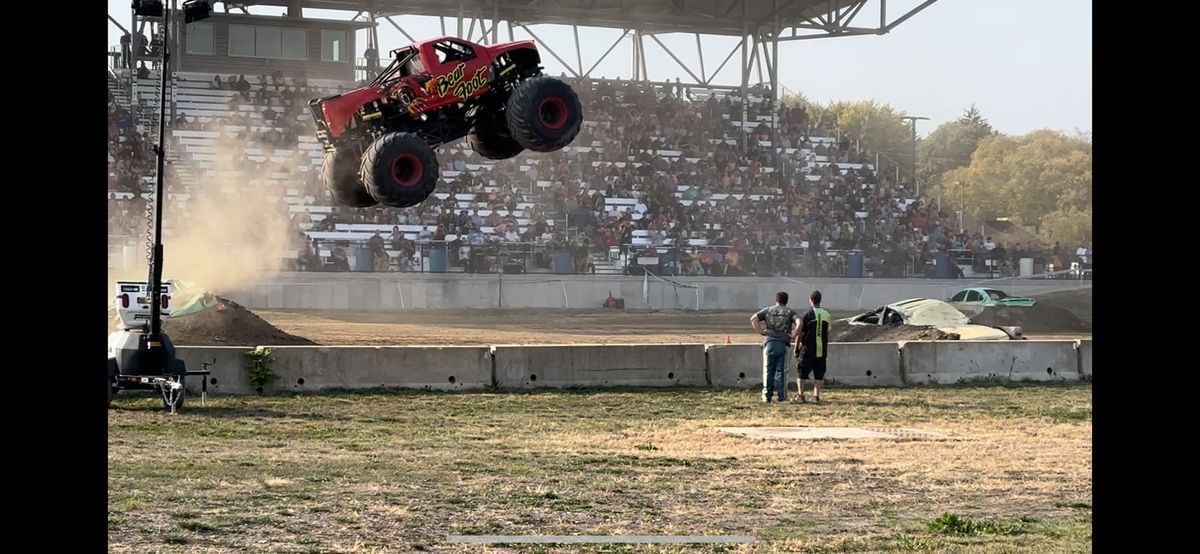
x,y
138,361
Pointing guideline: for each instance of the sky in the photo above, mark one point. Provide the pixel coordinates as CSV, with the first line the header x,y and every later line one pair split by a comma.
x,y
1025,64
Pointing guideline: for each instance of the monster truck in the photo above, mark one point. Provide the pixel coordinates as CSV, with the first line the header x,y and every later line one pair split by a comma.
x,y
379,140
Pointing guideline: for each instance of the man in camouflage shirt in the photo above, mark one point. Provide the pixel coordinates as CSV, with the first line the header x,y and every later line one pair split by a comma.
x,y
777,324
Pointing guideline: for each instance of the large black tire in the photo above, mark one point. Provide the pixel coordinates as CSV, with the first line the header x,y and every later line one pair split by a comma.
x,y
340,174
400,170
489,137
544,114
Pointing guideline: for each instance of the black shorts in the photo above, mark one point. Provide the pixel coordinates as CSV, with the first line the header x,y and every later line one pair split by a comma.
x,y
811,366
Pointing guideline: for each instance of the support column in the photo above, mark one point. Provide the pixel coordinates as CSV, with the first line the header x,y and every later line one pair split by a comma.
x,y
745,67
634,56
578,50
373,36
134,53
773,66
459,18
642,56
496,22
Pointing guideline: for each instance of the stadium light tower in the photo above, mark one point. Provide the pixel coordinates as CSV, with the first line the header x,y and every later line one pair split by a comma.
x,y
193,10
912,120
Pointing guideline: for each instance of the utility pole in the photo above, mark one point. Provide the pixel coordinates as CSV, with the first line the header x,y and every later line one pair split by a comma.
x,y
912,120
961,206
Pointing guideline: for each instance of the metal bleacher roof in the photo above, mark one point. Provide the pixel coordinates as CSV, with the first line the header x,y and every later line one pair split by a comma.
x,y
709,17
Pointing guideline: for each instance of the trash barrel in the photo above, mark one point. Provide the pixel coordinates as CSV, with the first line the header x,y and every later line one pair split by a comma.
x,y
363,261
437,260
854,264
941,267
1026,267
562,262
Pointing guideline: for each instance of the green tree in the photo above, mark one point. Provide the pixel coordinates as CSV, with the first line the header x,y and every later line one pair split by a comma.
x,y
797,99
1069,226
950,147
1043,178
877,128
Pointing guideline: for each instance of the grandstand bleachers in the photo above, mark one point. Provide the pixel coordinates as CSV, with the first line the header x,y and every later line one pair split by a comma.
x,y
654,169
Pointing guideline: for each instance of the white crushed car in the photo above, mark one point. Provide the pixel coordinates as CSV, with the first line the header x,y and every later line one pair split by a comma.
x,y
934,313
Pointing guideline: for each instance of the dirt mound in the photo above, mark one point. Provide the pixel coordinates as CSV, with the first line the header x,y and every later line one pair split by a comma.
x,y
227,324
1078,302
1039,318
844,332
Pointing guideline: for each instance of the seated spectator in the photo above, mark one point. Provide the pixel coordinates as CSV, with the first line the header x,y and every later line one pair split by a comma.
x,y
340,261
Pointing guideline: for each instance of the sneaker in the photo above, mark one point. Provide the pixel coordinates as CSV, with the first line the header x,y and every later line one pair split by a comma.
x,y
799,400
817,399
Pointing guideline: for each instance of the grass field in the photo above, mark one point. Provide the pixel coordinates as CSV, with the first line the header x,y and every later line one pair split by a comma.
x,y
399,471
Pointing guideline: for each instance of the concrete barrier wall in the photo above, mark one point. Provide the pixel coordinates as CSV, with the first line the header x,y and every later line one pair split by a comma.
x,y
865,364
724,366
228,371
401,291
855,364
609,365
420,367
1085,359
947,362
737,365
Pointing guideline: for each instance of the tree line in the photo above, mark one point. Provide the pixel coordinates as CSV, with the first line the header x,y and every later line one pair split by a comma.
x,y
1042,179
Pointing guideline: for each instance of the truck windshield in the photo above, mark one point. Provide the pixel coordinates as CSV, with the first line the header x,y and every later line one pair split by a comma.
x,y
405,63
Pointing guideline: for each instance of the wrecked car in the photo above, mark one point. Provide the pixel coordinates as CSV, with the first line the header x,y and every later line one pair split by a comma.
x,y
979,296
934,313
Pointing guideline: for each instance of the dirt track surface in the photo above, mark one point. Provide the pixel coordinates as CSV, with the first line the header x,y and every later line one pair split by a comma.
x,y
517,326
479,327
230,324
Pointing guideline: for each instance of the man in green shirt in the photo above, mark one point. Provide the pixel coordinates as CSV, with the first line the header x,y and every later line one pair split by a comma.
x,y
812,346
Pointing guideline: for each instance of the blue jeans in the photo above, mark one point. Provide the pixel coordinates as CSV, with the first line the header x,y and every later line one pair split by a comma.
x,y
775,370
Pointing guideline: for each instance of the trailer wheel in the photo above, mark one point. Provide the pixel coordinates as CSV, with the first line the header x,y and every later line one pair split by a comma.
x,y
112,380
169,398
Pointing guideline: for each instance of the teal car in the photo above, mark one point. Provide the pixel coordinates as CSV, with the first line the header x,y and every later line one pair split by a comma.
x,y
979,296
